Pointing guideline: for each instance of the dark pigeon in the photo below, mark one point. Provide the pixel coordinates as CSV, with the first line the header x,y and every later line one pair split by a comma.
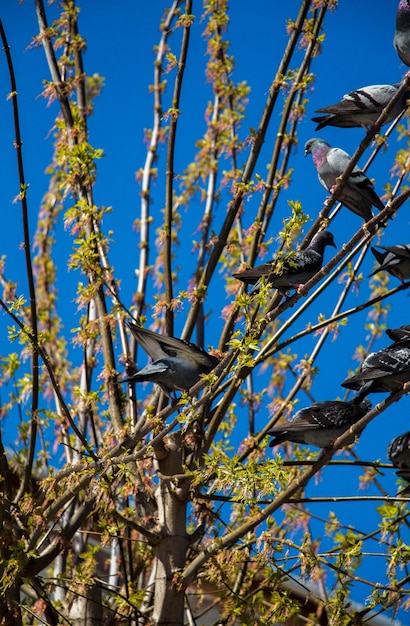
x,y
384,371
398,451
395,260
400,333
320,424
176,364
361,107
358,193
401,39
290,271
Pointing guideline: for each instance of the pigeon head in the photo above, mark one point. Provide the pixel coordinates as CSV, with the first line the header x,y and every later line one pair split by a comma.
x,y
314,144
363,407
403,8
319,149
403,16
321,240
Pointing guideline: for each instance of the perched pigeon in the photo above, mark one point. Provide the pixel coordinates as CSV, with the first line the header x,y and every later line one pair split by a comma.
x,y
398,451
320,424
358,193
398,334
386,370
396,260
402,35
293,270
176,364
361,107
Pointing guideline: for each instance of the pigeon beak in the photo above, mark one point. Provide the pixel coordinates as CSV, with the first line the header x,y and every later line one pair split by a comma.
x,y
308,147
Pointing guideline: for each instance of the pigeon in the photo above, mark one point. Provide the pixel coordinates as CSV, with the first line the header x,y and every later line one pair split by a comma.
x,y
290,271
397,334
176,364
320,424
358,193
398,452
401,39
396,260
383,371
361,107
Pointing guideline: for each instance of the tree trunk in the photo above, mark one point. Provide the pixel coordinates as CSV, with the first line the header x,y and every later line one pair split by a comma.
x,y
87,610
171,550
10,613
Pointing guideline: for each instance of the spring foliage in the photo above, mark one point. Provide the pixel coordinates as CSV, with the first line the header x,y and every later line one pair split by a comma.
x,y
122,507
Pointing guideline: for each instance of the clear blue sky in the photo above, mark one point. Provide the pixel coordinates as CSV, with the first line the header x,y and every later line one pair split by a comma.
x,y
120,36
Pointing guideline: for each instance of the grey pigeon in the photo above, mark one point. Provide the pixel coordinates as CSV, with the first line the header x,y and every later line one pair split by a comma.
x,y
358,193
320,424
361,107
395,260
383,371
398,451
176,364
401,39
290,271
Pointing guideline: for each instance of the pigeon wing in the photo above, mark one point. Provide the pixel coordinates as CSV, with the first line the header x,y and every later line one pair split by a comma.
x,y
358,182
283,273
337,160
400,333
400,250
159,347
333,413
390,360
398,450
394,359
366,101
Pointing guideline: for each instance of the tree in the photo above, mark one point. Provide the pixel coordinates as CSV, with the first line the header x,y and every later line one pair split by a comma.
x,y
118,505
